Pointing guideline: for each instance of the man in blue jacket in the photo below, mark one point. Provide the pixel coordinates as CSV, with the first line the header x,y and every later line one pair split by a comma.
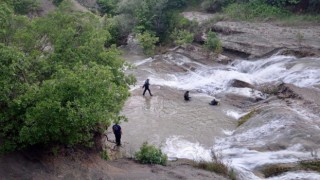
x,y
117,133
146,87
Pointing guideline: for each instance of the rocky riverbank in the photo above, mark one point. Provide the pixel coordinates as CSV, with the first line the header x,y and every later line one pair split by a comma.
x,y
254,40
83,165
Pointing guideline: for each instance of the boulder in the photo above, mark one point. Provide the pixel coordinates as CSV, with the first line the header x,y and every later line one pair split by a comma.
x,y
241,84
259,39
222,59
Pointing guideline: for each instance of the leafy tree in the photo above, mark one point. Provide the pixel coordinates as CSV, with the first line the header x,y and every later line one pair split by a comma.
x,y
119,27
67,108
147,41
23,6
108,6
58,82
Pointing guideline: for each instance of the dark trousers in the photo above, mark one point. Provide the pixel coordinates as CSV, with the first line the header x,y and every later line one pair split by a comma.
x,y
118,139
145,89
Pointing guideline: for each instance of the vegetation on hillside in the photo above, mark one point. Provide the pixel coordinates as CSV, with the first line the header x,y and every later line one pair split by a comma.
x,y
301,10
217,166
59,85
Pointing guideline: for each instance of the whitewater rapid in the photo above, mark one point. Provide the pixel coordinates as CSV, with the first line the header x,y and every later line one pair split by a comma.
x,y
204,80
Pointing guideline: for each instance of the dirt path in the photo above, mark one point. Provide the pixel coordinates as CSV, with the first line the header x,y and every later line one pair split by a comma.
x,y
91,166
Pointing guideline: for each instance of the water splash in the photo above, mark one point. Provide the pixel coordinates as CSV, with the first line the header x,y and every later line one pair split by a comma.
x,y
303,72
176,147
234,114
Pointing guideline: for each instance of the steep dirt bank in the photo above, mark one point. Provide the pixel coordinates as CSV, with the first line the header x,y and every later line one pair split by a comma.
x,y
90,166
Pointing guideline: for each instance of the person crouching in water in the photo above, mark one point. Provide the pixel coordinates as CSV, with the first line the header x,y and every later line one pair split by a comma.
x,y
146,87
186,96
214,102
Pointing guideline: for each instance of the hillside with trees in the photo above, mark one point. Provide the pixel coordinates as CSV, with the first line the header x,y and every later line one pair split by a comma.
x,y
63,81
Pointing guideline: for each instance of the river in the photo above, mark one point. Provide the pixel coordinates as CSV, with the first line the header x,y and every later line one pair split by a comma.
x,y
193,129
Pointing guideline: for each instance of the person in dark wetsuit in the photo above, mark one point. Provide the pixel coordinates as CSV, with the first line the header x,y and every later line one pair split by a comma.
x,y
117,133
186,96
146,87
214,102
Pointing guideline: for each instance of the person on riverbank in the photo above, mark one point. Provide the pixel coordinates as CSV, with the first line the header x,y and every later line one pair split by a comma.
x,y
146,87
214,102
186,96
117,131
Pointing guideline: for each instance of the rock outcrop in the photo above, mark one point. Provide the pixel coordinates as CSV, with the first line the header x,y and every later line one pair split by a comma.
x,y
259,39
253,40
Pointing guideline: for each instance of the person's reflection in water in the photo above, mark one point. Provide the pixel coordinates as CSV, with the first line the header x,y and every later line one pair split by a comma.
x,y
147,103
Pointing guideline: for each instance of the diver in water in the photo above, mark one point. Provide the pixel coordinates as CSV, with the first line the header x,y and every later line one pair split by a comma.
x,y
186,96
146,87
214,102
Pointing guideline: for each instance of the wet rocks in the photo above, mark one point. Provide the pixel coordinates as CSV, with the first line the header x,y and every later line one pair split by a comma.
x,y
285,91
222,59
300,53
241,84
258,39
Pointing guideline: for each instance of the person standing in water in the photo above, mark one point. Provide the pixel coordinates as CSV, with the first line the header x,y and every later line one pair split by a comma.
x,y
117,131
146,87
186,96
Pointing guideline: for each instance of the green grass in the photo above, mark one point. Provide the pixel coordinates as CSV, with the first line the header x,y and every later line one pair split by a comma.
x,y
105,155
217,166
254,11
246,117
275,170
311,165
258,11
301,19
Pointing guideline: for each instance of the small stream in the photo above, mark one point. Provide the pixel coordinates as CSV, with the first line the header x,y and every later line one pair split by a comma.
x,y
192,129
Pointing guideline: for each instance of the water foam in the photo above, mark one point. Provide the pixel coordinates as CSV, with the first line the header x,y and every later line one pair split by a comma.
x,y
177,147
212,80
234,114
301,175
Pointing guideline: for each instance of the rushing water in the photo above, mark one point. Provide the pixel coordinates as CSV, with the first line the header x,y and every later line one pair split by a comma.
x,y
192,129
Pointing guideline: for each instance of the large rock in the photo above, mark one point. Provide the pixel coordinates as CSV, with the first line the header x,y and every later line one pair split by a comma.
x,y
253,40
259,39
241,84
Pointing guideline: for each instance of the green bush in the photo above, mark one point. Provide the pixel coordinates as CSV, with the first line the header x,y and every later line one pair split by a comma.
x,y
107,6
254,10
215,5
149,154
57,2
147,41
182,37
25,6
105,155
311,165
119,27
213,43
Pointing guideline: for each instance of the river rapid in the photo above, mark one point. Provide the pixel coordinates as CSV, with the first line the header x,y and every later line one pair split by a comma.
x,y
282,131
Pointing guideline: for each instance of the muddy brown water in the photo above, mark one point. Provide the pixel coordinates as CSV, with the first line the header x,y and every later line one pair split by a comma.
x,y
155,118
